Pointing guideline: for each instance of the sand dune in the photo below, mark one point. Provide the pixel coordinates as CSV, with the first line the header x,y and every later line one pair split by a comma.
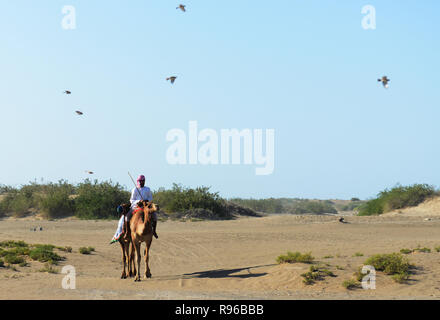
x,y
428,208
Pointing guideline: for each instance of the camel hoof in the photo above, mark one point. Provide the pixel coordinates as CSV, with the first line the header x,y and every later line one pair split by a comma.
x,y
148,276
123,276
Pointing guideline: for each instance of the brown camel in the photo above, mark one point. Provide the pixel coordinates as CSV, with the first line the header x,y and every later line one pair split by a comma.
x,y
125,242
141,231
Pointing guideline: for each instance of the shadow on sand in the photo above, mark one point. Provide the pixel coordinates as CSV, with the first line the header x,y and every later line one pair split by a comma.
x,y
221,273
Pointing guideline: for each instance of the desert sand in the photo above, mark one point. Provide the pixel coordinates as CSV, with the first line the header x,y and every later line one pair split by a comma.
x,y
233,259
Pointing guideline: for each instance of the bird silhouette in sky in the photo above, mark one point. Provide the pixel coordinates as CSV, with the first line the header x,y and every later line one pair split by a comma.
x,y
181,7
172,79
384,81
79,112
67,92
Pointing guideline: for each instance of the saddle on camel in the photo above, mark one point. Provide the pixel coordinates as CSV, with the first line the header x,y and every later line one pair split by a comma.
x,y
126,230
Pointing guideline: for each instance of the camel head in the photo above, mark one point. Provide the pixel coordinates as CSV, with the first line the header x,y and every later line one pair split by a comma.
x,y
149,207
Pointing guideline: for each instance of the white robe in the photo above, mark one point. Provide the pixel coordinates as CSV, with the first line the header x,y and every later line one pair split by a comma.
x,y
145,194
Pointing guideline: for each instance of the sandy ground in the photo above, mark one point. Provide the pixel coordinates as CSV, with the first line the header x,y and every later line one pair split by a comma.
x,y
229,259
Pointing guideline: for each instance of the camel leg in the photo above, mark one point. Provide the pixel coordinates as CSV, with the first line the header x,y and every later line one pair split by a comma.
x,y
138,261
124,261
132,259
129,260
147,259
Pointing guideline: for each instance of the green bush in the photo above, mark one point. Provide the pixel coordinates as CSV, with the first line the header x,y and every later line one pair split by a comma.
x,y
316,273
359,275
351,284
21,205
44,253
293,257
56,201
44,197
400,277
425,250
21,251
7,202
65,249
397,198
406,251
13,258
181,199
85,250
99,200
3,208
13,244
393,263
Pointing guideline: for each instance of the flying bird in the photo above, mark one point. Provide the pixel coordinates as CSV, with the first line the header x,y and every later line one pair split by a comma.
x,y
172,79
181,7
67,92
89,172
384,81
79,112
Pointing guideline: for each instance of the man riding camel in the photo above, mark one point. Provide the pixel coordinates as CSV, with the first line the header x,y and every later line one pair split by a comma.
x,y
141,192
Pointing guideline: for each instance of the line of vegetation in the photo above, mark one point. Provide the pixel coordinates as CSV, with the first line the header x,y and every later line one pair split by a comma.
x,y
287,205
98,200
87,200
398,197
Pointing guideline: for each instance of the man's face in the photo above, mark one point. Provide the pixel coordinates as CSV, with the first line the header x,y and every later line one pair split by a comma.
x,y
142,183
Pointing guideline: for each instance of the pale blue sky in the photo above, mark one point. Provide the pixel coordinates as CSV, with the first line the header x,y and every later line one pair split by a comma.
x,y
304,68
